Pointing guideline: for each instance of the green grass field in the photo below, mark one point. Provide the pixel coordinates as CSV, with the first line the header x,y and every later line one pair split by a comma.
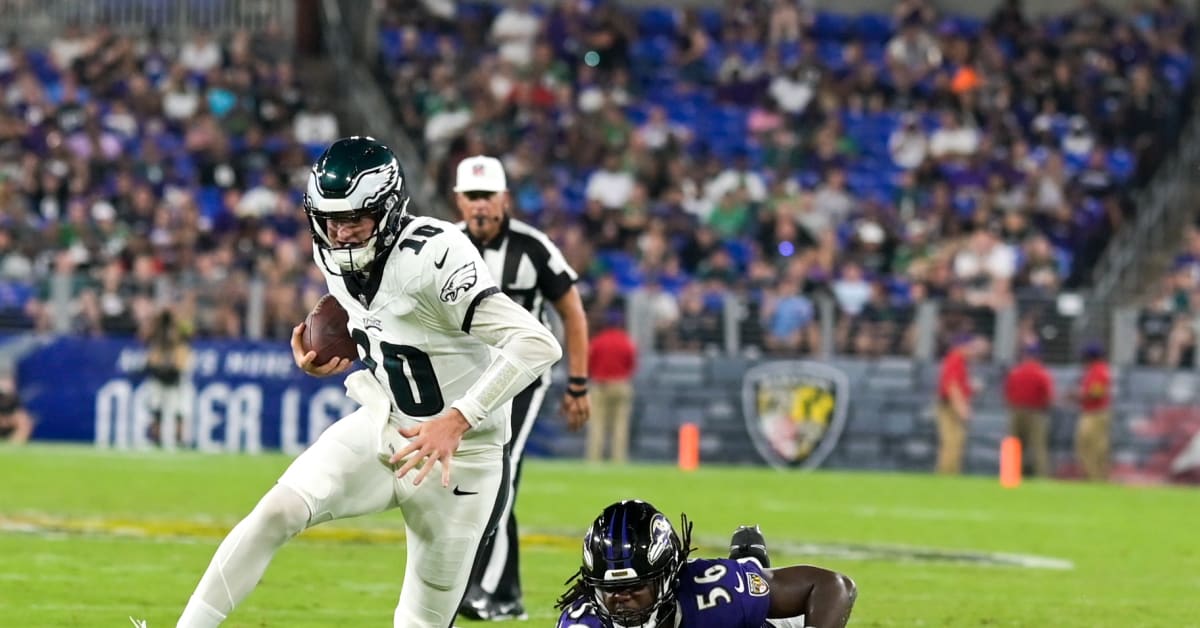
x,y
88,538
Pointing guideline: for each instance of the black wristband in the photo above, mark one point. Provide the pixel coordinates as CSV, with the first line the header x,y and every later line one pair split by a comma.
x,y
576,380
577,392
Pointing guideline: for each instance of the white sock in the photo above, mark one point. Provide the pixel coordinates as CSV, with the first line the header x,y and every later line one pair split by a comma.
x,y
243,556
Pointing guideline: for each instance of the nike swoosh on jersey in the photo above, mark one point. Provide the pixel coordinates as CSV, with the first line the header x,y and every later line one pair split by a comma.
x,y
442,262
458,491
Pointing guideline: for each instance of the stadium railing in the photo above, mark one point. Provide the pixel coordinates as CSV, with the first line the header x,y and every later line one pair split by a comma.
x,y
40,20
1162,211
348,29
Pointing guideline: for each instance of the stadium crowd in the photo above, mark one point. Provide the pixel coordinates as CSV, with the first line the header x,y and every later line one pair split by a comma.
x,y
134,172
763,150
782,154
1167,322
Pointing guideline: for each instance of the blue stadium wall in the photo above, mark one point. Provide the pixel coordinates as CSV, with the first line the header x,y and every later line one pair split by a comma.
x,y
248,397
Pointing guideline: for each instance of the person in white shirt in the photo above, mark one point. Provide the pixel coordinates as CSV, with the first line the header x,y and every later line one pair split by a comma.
x,y
315,125
952,140
740,176
794,89
908,144
658,130
832,201
610,185
514,31
201,54
913,52
986,265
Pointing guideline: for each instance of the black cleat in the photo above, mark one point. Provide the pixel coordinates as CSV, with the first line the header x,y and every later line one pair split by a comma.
x,y
487,610
502,611
748,542
472,609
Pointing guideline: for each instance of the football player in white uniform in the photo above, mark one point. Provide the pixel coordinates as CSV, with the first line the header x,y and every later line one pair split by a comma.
x,y
445,351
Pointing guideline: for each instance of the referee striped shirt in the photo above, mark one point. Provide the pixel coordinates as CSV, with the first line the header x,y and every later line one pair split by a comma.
x,y
528,267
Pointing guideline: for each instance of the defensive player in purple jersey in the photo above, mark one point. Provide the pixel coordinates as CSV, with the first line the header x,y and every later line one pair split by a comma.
x,y
636,574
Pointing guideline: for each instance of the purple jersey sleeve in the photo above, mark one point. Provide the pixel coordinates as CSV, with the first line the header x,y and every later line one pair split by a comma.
x,y
723,592
579,615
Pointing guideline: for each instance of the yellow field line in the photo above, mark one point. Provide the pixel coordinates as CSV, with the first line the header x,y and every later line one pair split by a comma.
x,y
184,528
38,523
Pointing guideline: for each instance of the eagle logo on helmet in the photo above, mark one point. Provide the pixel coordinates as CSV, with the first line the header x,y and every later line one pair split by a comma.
x,y
356,178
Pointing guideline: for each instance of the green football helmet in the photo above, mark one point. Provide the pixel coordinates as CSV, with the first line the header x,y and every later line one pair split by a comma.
x,y
355,177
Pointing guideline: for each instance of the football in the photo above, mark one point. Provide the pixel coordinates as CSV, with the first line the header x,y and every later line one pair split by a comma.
x,y
325,332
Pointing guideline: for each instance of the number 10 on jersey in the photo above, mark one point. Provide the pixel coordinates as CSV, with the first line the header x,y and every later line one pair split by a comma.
x,y
409,374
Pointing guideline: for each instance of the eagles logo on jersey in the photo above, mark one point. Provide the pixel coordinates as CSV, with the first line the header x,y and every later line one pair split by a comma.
x,y
459,283
356,177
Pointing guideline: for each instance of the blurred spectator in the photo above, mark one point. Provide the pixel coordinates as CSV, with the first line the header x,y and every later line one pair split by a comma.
x,y
16,424
659,133
698,327
788,318
612,363
952,140
200,54
315,125
913,53
1029,393
603,300
514,30
738,178
954,401
1166,325
908,144
655,313
852,291
985,266
611,185
794,89
885,325
832,203
1094,395
167,358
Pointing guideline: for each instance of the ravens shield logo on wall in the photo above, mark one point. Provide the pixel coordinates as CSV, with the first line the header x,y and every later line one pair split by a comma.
x,y
795,411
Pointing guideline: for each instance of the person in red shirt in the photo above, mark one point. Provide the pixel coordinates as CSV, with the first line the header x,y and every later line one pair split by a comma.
x,y
954,401
1029,392
612,361
1095,401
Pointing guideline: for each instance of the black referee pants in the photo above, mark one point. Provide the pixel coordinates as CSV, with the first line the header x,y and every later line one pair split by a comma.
x,y
496,575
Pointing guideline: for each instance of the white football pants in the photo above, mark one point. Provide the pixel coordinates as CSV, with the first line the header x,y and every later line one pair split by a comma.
x,y
344,474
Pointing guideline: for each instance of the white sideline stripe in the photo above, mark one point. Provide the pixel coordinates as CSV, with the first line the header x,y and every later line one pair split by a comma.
x,y
933,514
902,553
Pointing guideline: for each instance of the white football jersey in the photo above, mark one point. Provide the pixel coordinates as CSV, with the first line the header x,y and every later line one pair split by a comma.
x,y
410,320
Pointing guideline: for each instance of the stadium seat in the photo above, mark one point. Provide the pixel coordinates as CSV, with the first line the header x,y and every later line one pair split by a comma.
x,y
873,27
656,22
1121,163
831,26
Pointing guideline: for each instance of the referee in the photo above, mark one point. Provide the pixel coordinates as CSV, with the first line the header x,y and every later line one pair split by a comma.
x,y
531,270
